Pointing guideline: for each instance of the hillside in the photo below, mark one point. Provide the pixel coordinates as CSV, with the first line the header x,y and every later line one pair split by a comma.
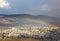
x,y
29,26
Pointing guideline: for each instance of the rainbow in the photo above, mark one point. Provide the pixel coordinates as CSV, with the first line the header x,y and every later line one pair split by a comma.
x,y
35,20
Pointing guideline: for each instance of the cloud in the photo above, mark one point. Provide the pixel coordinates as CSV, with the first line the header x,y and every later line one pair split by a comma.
x,y
4,4
46,7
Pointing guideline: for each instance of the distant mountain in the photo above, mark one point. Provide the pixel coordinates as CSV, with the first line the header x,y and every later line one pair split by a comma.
x,y
52,20
26,15
15,15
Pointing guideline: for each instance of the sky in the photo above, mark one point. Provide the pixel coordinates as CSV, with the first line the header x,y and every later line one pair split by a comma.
x,y
33,7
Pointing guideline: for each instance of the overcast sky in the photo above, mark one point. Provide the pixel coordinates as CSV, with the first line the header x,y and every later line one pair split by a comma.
x,y
34,7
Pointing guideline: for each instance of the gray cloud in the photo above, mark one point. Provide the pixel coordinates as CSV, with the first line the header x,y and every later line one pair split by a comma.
x,y
50,8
